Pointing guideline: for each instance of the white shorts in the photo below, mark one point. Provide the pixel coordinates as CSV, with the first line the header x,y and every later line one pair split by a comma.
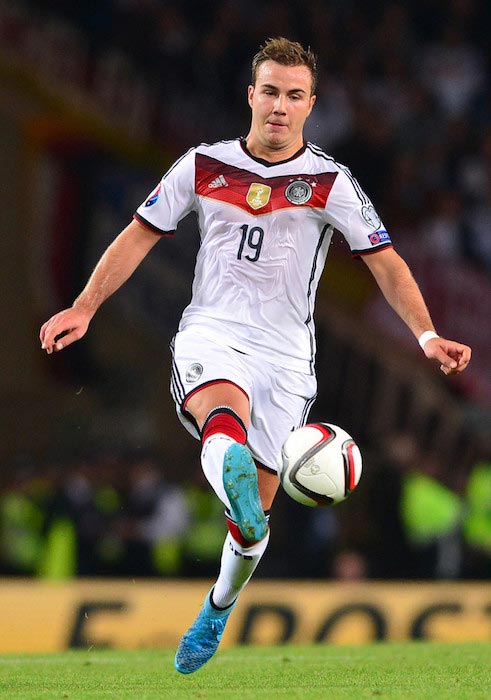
x,y
280,399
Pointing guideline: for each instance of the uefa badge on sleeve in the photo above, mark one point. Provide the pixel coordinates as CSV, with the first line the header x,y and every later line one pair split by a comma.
x,y
371,217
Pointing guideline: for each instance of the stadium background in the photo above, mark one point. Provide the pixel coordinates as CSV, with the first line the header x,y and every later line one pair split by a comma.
x,y
97,478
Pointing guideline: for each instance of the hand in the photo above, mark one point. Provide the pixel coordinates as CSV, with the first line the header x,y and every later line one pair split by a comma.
x,y
453,357
64,328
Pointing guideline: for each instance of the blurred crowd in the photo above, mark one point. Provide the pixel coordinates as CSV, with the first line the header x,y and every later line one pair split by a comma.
x,y
104,513
119,515
404,97
404,100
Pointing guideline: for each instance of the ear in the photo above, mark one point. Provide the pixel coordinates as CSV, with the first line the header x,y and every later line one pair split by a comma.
x,y
312,103
250,93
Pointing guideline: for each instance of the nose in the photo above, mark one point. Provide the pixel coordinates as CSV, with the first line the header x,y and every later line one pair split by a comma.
x,y
279,104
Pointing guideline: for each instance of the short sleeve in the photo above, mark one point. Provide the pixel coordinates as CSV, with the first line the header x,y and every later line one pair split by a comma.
x,y
172,199
350,211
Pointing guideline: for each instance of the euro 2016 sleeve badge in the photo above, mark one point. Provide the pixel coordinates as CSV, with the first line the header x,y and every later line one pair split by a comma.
x,y
154,196
298,192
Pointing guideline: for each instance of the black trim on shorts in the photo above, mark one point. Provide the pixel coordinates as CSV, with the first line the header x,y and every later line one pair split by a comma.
x,y
191,419
260,465
176,383
180,397
305,413
218,380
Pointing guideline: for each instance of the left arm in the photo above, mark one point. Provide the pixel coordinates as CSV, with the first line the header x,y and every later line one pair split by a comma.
x,y
399,287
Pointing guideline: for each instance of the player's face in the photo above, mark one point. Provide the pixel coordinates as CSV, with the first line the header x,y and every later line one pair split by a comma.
x,y
280,101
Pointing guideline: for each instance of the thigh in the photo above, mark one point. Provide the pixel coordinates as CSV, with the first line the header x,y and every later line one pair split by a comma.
x,y
220,393
206,375
280,402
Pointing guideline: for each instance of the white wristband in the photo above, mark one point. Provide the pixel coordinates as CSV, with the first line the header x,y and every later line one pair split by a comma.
x,y
425,337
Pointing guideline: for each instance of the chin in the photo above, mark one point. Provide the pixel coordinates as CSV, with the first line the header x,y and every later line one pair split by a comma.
x,y
277,143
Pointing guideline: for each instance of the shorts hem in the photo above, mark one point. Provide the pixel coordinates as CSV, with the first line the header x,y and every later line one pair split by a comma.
x,y
211,382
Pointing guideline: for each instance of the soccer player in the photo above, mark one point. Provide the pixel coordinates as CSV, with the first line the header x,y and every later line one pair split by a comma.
x,y
243,358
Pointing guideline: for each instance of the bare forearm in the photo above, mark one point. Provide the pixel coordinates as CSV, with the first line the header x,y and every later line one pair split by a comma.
x,y
113,269
116,265
402,292
407,301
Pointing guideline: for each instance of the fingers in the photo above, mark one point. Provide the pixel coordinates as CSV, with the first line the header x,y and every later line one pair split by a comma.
x,y
454,368
456,360
60,341
453,357
61,330
441,355
66,338
465,357
55,346
52,332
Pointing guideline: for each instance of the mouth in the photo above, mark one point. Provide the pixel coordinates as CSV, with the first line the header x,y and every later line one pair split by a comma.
x,y
276,125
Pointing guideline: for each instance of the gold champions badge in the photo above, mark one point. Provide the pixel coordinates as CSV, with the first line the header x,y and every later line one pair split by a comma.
x,y
258,195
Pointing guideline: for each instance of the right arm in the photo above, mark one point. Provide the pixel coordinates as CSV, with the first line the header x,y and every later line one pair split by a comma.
x,y
116,265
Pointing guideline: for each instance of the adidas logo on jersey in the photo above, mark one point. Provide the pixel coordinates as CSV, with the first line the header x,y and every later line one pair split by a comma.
x,y
219,181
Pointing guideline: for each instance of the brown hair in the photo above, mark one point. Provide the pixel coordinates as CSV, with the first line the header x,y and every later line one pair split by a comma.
x,y
287,53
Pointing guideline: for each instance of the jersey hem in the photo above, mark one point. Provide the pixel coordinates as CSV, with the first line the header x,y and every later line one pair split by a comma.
x,y
152,227
370,251
217,335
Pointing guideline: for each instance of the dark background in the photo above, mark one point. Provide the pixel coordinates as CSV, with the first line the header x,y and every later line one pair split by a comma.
x,y
96,102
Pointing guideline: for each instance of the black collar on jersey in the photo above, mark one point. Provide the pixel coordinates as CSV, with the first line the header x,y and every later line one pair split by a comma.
x,y
268,163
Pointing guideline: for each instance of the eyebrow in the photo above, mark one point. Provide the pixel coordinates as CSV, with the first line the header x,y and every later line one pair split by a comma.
x,y
274,87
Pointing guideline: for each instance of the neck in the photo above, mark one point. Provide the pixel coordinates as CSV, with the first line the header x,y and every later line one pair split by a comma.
x,y
269,153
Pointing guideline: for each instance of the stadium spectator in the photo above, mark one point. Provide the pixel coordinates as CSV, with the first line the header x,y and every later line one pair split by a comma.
x,y
477,517
431,514
153,521
446,232
22,519
452,69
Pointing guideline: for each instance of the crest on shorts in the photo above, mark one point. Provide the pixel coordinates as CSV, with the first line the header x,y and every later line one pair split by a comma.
x,y
194,372
298,192
258,195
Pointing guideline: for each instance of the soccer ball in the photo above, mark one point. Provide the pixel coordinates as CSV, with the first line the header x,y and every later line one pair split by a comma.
x,y
320,464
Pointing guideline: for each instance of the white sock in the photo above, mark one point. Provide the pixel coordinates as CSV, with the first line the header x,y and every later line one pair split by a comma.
x,y
237,566
212,456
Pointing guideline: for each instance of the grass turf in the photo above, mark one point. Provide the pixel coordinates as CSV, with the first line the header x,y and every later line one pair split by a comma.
x,y
395,671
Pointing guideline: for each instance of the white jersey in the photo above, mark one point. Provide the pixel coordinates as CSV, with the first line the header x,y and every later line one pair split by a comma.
x,y
265,232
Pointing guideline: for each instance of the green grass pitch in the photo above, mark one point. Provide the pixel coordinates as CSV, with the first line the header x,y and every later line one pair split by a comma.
x,y
395,671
